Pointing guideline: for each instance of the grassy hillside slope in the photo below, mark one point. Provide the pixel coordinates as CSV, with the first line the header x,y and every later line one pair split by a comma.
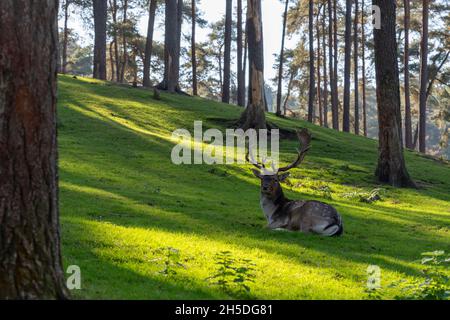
x,y
123,202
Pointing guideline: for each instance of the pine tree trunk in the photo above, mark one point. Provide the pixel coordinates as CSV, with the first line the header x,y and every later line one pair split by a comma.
x,y
391,164
30,258
227,53
171,71
325,73
312,85
347,67
335,93
149,43
116,40
240,68
423,78
111,60
355,66
253,116
100,15
124,42
363,57
66,37
280,67
408,124
319,76
193,49
288,94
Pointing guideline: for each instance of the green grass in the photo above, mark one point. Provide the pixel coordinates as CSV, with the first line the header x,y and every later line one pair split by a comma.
x,y
122,199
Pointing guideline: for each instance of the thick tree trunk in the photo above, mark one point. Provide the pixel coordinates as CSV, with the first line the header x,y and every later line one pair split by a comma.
x,y
325,73
391,164
66,37
253,116
363,57
280,67
347,66
423,78
335,94
408,124
193,49
149,43
227,53
240,68
312,84
171,70
355,66
30,258
100,16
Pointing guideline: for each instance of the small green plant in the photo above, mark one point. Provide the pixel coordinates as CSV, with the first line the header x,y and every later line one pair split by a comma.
x,y
366,197
171,260
233,275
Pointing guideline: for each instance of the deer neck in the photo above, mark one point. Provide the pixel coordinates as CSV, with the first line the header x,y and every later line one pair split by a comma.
x,y
272,205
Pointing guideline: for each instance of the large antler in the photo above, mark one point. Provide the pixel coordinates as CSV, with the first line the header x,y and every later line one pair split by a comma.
x,y
261,166
305,141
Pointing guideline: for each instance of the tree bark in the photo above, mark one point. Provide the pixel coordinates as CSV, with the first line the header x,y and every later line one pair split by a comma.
x,y
227,53
30,258
325,73
423,78
391,164
363,57
240,68
115,39
193,48
171,67
355,66
347,62
408,124
319,76
66,37
335,93
124,42
280,67
312,85
100,15
254,116
149,43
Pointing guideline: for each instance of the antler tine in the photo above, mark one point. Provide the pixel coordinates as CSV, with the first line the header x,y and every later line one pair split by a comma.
x,y
304,138
253,161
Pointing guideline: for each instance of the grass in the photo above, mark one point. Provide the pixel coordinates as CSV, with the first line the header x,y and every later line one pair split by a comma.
x,y
123,202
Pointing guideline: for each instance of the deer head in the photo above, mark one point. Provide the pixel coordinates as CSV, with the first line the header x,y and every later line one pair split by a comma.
x,y
271,179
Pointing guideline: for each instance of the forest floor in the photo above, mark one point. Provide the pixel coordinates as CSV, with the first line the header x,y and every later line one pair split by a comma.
x,y
141,227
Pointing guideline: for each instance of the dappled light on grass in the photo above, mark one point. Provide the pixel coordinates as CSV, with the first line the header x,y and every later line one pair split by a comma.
x,y
122,200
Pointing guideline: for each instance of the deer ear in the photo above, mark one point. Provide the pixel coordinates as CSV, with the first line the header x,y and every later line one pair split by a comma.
x,y
257,173
283,176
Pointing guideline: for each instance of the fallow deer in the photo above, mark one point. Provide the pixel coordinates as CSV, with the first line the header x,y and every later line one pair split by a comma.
x,y
294,215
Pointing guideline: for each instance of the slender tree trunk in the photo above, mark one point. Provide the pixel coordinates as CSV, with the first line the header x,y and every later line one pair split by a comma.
x,y
363,56
280,68
227,54
30,258
66,37
391,164
325,73
100,14
355,66
111,60
423,78
335,93
330,55
149,43
312,85
171,71
240,68
319,77
116,40
408,124
288,94
347,66
124,41
193,49
253,116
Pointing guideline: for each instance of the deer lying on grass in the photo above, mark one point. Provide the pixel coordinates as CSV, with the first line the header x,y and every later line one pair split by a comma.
x,y
294,215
